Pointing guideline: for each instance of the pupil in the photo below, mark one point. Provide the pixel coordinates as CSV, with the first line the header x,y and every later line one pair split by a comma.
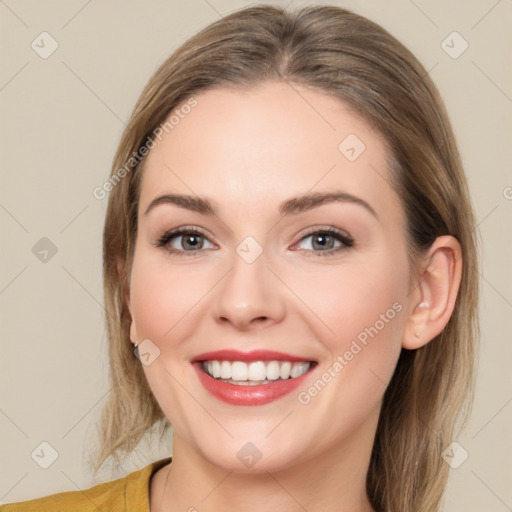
x,y
195,244
322,238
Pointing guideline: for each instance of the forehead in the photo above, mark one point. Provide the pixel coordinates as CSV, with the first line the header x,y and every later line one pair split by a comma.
x,y
257,146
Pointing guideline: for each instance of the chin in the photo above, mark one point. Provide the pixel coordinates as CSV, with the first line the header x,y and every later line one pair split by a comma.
x,y
250,460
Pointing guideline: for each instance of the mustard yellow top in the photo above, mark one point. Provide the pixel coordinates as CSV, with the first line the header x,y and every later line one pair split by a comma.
x,y
128,494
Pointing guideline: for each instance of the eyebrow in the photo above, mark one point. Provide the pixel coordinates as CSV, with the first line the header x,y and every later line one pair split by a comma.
x,y
292,206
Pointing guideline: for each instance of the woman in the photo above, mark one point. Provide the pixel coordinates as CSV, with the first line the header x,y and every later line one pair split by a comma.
x,y
289,247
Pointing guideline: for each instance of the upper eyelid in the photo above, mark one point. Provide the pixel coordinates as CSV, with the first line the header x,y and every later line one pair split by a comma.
x,y
181,231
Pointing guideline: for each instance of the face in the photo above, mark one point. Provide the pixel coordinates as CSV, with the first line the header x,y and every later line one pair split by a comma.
x,y
271,284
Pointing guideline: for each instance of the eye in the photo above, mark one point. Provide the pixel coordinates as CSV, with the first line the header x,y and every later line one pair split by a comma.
x,y
327,241
190,241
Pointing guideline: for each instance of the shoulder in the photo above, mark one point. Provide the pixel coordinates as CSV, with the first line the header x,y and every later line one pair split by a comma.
x,y
109,494
121,495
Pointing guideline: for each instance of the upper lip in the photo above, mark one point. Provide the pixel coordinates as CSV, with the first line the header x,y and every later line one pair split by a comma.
x,y
253,355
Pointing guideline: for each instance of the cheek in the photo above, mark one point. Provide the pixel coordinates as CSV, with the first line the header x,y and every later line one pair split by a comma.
x,y
361,308
163,297
362,314
348,299
165,305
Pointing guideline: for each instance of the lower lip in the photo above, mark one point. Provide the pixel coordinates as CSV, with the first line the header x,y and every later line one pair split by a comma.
x,y
245,394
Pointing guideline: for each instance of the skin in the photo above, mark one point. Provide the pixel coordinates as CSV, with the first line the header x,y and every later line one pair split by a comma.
x,y
247,151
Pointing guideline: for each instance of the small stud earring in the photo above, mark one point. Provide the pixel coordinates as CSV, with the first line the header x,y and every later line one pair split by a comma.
x,y
417,334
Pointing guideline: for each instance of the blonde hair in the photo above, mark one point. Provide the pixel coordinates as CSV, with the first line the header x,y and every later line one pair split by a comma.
x,y
349,57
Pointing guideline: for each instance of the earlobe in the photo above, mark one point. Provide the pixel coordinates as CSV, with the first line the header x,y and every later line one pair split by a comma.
x,y
133,332
133,327
435,295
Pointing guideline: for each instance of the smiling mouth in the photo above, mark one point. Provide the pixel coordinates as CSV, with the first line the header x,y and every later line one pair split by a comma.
x,y
255,373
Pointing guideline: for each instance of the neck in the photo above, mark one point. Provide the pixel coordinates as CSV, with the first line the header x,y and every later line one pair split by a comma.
x,y
328,482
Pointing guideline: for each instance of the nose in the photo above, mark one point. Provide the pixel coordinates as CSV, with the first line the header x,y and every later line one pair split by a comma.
x,y
249,297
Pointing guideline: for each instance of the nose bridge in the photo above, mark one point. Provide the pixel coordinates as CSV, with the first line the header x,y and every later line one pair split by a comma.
x,y
249,291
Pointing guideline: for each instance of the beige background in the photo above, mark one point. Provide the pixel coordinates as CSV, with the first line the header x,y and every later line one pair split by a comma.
x,y
61,119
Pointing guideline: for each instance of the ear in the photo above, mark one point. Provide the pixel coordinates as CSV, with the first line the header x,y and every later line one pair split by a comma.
x,y
125,279
435,291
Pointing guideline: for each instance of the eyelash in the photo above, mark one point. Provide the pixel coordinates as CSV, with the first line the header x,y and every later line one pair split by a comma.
x,y
345,239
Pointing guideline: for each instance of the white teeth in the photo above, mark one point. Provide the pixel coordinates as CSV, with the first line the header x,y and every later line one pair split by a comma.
x,y
273,370
298,369
225,370
285,370
215,369
239,371
255,372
